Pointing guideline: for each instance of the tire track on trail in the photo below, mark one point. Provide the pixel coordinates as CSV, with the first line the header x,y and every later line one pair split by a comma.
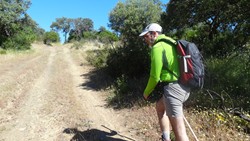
x,y
15,83
16,76
28,116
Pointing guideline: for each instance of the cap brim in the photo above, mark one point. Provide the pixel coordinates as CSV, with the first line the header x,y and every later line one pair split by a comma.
x,y
143,33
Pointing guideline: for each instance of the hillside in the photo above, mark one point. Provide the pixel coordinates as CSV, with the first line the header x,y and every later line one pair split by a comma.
x,y
47,94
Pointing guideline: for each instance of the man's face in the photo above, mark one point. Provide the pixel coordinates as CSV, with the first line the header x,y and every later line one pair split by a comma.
x,y
148,38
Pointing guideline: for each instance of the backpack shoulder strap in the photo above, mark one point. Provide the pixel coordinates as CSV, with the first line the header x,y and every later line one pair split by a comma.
x,y
166,41
164,53
165,67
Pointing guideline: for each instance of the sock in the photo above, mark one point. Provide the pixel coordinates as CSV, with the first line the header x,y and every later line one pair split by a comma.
x,y
166,135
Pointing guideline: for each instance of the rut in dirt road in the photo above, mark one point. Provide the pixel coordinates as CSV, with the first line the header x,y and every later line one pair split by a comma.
x,y
41,98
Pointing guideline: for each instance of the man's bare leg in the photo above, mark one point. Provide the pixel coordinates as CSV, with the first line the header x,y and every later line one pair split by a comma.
x,y
162,117
179,128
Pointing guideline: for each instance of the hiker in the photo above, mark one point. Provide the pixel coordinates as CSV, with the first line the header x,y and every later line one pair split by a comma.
x,y
170,106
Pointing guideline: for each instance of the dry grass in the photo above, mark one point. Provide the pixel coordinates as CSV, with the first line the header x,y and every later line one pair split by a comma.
x,y
207,125
212,125
143,121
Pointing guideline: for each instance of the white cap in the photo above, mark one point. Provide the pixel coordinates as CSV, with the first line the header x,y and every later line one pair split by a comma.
x,y
151,27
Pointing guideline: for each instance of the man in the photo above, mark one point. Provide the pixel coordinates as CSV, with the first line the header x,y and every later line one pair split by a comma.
x,y
170,107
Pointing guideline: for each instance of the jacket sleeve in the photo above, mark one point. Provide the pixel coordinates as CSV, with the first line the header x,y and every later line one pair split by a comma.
x,y
155,70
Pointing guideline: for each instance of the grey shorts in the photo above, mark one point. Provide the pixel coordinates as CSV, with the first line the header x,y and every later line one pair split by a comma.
x,y
175,95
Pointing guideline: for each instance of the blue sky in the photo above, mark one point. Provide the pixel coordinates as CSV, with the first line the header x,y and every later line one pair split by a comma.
x,y
44,12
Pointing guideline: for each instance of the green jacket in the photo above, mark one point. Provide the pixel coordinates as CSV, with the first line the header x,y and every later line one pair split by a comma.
x,y
162,53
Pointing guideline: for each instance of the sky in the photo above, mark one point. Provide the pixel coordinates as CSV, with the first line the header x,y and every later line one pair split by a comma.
x,y
44,12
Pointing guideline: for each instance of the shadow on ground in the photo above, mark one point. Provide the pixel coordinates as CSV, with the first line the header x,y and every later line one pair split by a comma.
x,y
94,135
97,80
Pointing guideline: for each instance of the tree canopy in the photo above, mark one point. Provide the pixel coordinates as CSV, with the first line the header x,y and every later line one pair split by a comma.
x,y
75,27
128,19
62,24
214,21
17,29
79,26
12,11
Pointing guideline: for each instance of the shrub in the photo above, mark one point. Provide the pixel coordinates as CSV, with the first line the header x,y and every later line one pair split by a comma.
x,y
89,35
227,82
97,58
127,92
2,51
20,41
77,45
106,37
130,60
51,37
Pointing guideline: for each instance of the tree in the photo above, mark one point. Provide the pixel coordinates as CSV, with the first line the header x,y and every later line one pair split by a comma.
x,y
39,33
128,19
87,24
79,26
220,20
21,40
11,13
106,36
102,28
27,21
17,29
62,24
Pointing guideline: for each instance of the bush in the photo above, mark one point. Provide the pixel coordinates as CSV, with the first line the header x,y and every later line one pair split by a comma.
x,y
127,92
98,58
51,37
89,35
226,83
130,60
77,45
106,37
20,41
2,51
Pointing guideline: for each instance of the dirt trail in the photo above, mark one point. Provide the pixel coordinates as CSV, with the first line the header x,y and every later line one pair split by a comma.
x,y
42,99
